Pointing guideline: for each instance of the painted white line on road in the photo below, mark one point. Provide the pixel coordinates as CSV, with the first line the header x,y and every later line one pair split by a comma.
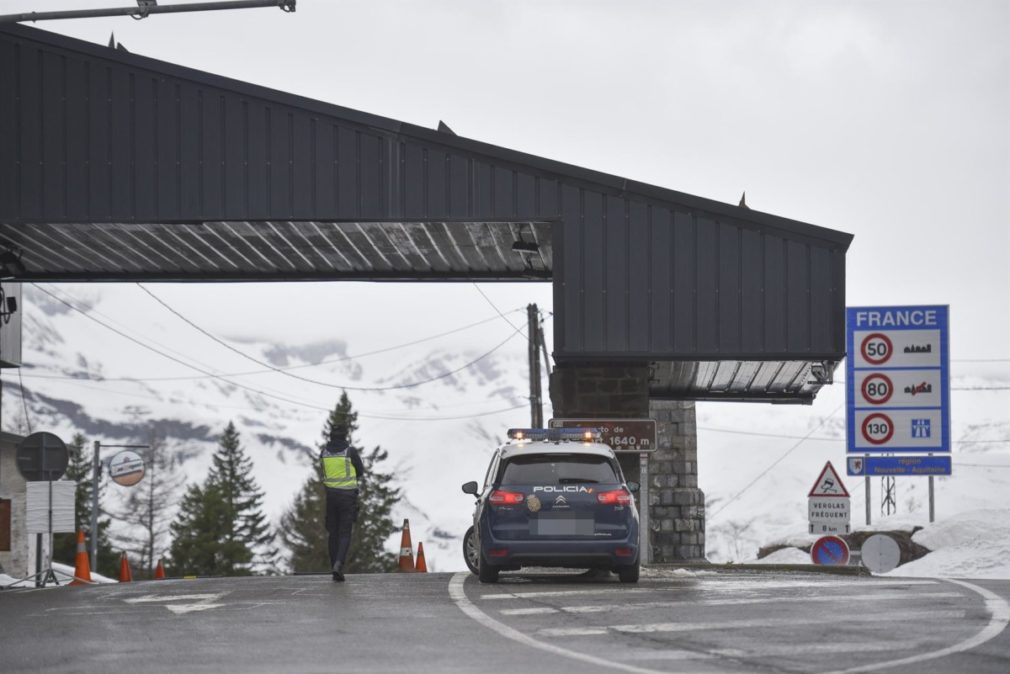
x,y
156,598
999,612
778,650
653,628
871,596
180,609
564,593
660,654
457,594
528,611
750,584
710,585
194,602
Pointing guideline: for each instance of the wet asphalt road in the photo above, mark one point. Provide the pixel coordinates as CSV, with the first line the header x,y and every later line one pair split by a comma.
x,y
672,621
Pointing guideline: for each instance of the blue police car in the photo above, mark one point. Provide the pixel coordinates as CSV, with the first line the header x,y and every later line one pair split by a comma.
x,y
553,497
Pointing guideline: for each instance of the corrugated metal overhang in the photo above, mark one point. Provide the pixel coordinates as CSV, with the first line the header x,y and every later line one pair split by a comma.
x,y
783,381
281,250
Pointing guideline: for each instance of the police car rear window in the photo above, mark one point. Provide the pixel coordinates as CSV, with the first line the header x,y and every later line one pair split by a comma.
x,y
544,469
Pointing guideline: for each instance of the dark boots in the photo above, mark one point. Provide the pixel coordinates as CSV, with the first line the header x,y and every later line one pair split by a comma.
x,y
338,573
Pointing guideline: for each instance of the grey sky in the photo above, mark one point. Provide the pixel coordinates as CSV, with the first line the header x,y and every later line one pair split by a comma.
x,y
889,120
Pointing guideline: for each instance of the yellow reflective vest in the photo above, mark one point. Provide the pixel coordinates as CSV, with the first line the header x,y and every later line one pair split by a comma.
x,y
338,471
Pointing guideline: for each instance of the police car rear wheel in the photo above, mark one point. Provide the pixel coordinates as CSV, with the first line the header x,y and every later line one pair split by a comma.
x,y
628,574
485,572
471,553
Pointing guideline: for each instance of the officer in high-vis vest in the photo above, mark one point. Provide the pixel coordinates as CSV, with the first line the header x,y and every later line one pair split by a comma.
x,y
342,468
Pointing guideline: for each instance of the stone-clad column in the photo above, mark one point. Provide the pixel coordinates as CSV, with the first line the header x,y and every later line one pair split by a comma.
x,y
676,505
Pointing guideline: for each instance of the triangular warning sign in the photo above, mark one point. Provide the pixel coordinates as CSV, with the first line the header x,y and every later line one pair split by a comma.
x,y
829,484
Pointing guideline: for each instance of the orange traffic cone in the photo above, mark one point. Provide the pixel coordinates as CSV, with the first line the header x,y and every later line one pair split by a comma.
x,y
125,574
421,567
406,549
82,567
159,571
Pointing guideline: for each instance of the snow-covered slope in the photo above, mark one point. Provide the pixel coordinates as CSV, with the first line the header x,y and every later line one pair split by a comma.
x,y
438,434
82,377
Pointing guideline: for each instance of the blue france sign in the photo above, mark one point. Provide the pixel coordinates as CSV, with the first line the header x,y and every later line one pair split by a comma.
x,y
910,466
897,379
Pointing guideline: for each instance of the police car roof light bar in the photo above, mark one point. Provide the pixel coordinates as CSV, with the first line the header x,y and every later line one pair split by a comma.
x,y
554,434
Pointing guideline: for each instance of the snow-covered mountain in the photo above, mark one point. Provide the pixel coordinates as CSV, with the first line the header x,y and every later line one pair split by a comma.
x,y
82,376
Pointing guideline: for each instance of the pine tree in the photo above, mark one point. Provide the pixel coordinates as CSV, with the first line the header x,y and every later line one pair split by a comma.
x,y
221,528
79,470
303,526
197,532
377,496
147,505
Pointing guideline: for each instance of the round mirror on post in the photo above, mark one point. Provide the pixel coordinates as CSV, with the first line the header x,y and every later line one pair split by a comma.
x,y
126,468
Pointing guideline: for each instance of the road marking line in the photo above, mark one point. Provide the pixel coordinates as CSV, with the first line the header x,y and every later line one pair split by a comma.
x,y
777,650
529,611
180,609
470,609
750,584
708,585
653,628
197,602
564,593
150,598
999,612
604,608
665,655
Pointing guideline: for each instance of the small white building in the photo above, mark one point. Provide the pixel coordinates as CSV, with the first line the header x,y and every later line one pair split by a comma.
x,y
17,548
17,553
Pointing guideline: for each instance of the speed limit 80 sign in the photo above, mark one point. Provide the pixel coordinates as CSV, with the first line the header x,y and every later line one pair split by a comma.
x,y
897,381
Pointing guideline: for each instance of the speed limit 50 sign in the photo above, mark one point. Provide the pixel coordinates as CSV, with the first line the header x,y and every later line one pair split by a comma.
x,y
897,379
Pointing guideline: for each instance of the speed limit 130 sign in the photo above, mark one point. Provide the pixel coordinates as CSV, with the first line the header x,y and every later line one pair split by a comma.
x,y
897,379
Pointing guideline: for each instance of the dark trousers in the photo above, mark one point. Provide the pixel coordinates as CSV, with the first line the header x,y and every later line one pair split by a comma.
x,y
341,513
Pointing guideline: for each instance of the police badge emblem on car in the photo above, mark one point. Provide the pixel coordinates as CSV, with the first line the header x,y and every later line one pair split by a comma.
x,y
533,503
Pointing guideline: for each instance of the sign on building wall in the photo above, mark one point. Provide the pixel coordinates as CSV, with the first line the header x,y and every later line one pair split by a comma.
x,y
623,435
897,383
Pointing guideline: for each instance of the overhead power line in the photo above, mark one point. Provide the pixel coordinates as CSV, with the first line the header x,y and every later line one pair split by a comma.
x,y
207,373
364,415
327,361
777,461
173,358
823,438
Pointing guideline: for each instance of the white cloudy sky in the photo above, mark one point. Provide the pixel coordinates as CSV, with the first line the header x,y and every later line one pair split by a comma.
x,y
888,120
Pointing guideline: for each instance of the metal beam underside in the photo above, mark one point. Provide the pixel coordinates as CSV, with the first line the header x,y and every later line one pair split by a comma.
x,y
785,381
279,250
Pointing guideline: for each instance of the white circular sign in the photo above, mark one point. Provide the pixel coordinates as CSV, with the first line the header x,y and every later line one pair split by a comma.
x,y
880,553
126,468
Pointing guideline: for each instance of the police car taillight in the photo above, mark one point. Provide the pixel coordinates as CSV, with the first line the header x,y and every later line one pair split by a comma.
x,y
615,497
502,497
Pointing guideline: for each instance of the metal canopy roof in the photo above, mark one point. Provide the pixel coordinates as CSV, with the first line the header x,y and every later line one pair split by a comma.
x,y
280,250
114,166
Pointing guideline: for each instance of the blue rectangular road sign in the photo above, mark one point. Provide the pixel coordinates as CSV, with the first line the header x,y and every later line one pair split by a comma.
x,y
897,379
914,466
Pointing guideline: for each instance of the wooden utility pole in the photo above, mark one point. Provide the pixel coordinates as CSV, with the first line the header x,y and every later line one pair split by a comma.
x,y
533,332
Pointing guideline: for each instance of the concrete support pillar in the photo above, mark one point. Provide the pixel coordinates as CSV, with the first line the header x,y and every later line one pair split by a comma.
x,y
676,505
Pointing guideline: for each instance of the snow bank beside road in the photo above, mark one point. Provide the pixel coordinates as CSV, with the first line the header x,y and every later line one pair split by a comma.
x,y
974,544
63,572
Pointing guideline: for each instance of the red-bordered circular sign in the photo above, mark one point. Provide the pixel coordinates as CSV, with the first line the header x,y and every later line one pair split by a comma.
x,y
877,388
830,551
876,348
877,428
